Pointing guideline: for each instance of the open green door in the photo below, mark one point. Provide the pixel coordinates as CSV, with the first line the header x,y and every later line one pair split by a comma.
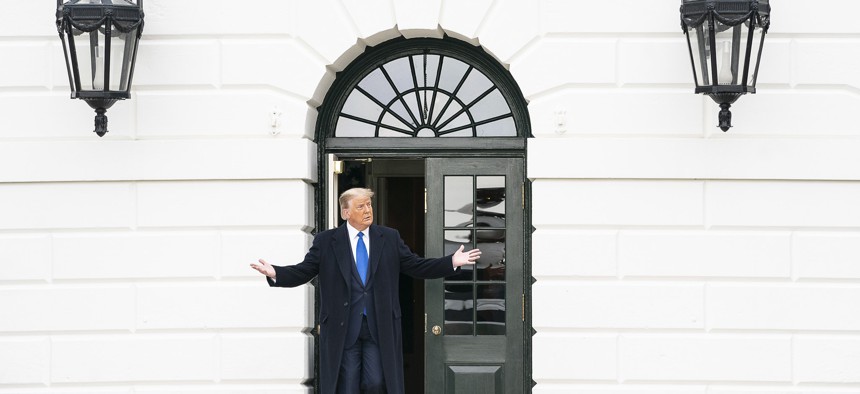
x,y
474,320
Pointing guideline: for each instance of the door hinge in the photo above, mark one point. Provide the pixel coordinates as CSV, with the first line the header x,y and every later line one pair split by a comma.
x,y
523,195
337,167
524,307
425,323
425,211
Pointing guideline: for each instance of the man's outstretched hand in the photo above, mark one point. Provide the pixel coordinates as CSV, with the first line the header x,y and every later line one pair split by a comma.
x,y
462,258
265,268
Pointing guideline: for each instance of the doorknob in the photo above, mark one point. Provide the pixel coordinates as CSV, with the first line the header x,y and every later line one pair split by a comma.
x,y
437,330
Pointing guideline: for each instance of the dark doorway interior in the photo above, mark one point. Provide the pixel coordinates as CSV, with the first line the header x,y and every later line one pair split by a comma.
x,y
399,203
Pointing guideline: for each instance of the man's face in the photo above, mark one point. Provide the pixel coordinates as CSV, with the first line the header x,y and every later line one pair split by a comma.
x,y
359,213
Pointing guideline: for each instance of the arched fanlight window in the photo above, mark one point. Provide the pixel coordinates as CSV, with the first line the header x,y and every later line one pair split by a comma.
x,y
431,88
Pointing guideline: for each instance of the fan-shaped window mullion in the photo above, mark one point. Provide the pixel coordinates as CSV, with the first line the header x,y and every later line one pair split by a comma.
x,y
399,95
435,89
398,98
385,108
377,124
471,122
425,91
475,125
466,108
415,84
453,94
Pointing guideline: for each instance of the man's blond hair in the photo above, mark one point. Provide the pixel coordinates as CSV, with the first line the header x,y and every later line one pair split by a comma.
x,y
348,195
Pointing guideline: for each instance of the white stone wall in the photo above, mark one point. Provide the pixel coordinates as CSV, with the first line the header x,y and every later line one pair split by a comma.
x,y
670,257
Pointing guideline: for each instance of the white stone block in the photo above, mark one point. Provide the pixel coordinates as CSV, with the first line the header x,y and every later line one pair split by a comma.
x,y
138,358
783,306
781,389
617,16
246,113
23,116
226,159
326,28
705,358
68,390
795,16
597,111
177,62
826,61
654,60
25,257
224,203
371,17
613,203
27,19
463,18
266,356
552,63
689,158
135,255
815,113
775,64
65,205
230,388
417,16
705,253
586,357
826,255
278,158
171,18
24,360
100,307
509,27
762,390
827,359
616,388
283,64
563,304
781,204
573,253
206,306
240,249
25,64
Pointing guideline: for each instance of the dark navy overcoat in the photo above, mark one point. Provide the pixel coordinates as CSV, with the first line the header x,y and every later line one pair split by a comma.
x,y
331,259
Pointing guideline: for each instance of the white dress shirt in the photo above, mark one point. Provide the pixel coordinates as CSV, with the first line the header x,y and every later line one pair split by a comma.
x,y
353,240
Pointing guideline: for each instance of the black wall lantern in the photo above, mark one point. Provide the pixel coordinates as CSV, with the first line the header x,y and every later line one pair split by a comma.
x,y
725,38
100,40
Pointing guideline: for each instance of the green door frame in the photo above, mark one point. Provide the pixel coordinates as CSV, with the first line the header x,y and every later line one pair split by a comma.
x,y
426,147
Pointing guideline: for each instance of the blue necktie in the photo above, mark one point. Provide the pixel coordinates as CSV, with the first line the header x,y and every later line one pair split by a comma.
x,y
361,258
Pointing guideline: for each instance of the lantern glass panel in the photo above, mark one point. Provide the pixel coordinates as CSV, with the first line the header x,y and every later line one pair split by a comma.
x,y
757,42
121,53
90,48
728,54
700,53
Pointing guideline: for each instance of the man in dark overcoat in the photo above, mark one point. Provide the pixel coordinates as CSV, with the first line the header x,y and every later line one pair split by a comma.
x,y
359,266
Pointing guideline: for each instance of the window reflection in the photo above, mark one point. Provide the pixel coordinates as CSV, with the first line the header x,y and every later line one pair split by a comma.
x,y
490,306
459,308
458,201
475,217
453,240
491,265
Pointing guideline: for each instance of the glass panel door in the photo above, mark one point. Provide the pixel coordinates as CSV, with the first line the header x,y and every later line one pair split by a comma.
x,y
475,327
